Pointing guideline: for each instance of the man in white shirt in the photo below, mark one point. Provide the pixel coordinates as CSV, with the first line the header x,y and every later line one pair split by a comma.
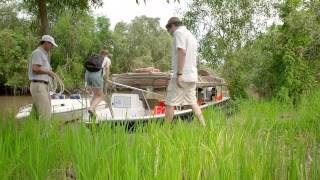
x,y
182,86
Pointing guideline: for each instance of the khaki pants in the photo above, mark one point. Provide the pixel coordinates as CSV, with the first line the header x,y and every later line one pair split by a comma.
x,y
181,96
41,100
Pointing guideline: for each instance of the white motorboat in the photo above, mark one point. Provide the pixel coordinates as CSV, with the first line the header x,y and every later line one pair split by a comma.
x,y
131,108
64,109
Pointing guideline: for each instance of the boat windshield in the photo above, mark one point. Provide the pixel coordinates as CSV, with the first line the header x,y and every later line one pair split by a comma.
x,y
122,102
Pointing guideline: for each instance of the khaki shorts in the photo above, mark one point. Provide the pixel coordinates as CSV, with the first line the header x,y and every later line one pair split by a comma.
x,y
41,100
181,96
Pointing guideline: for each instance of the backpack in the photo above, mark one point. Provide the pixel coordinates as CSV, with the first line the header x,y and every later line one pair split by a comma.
x,y
94,63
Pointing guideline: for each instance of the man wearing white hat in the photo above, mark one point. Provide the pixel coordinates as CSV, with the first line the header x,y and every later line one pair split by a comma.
x,y
40,72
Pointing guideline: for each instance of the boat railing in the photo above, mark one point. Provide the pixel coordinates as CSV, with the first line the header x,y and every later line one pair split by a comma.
x,y
82,101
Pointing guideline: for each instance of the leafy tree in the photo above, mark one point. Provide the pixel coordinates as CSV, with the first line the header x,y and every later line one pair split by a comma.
x,y
283,62
78,37
224,26
16,44
299,29
104,33
141,43
168,1
121,48
40,9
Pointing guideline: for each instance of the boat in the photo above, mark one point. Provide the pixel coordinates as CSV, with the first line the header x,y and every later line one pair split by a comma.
x,y
144,101
127,107
66,109
140,99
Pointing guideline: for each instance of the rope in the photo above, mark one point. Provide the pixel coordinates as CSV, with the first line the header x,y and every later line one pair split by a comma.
x,y
56,83
134,88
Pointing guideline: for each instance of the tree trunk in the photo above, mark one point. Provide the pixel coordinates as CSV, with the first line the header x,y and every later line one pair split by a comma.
x,y
14,90
44,25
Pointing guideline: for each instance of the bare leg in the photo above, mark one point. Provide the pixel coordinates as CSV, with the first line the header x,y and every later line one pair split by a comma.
x,y
196,109
169,114
96,99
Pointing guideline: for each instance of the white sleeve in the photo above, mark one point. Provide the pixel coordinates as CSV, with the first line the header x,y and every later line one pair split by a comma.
x,y
106,61
180,40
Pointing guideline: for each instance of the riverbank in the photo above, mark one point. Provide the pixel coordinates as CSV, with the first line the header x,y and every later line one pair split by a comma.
x,y
260,140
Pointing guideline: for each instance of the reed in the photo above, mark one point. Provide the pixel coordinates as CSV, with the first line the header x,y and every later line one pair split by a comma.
x,y
260,140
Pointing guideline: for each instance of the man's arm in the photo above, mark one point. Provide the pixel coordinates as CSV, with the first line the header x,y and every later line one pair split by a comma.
x,y
107,72
40,70
181,62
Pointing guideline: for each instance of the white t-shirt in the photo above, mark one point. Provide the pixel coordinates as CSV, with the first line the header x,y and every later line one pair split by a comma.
x,y
184,39
106,62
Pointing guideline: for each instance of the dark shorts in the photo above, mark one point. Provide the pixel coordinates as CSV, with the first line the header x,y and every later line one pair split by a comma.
x,y
94,79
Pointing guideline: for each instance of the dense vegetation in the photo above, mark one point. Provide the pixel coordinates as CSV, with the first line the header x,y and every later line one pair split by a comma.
x,y
260,140
140,43
281,60
250,139
235,41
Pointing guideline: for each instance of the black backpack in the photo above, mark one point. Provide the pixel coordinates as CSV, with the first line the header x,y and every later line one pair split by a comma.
x,y
94,62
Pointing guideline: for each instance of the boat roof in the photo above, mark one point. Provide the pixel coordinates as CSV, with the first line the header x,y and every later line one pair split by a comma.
x,y
158,80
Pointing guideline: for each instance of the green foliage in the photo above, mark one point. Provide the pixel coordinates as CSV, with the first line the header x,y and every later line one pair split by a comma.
x,y
283,95
77,37
235,77
16,45
223,26
13,59
294,72
56,8
104,33
261,140
282,62
140,43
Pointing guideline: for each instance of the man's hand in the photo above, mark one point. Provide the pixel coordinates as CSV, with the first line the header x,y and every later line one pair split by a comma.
x,y
179,80
40,70
51,74
110,82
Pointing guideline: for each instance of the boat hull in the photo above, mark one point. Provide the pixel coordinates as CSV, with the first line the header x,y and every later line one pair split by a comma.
x,y
106,116
62,109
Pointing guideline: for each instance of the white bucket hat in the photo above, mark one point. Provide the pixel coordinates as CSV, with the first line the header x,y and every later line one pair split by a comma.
x,y
48,38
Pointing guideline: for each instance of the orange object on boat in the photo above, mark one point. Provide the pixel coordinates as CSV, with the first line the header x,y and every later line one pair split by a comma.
x,y
160,109
162,103
218,98
200,101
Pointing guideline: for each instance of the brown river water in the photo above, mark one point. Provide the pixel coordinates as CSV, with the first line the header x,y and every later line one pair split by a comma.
x,y
11,104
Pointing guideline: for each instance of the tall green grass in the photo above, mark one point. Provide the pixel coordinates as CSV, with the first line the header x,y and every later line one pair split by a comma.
x,y
261,140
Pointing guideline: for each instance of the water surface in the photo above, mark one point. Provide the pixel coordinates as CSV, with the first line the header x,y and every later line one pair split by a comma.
x,y
11,104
